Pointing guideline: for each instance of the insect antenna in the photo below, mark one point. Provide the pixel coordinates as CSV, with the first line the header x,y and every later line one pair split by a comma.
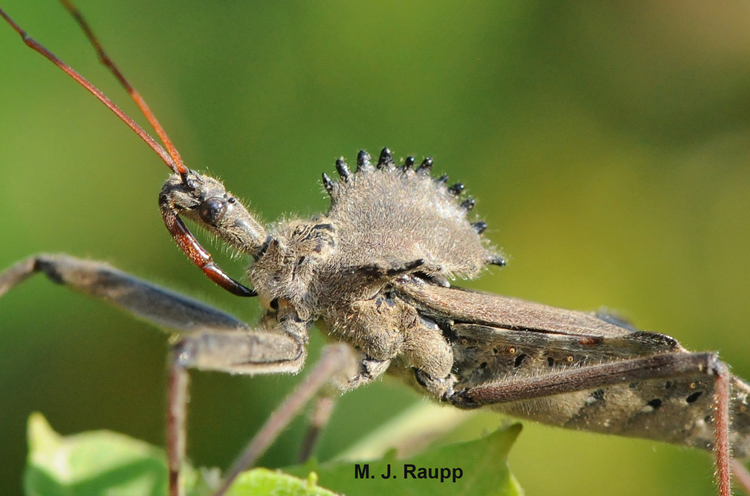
x,y
137,98
180,233
173,163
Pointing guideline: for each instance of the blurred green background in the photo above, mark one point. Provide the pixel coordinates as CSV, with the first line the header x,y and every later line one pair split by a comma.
x,y
608,146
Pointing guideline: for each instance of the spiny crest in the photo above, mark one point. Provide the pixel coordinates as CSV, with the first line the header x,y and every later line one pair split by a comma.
x,y
396,214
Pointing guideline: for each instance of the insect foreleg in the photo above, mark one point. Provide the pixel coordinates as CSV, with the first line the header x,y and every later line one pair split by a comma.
x,y
662,366
153,303
337,362
206,338
226,351
177,399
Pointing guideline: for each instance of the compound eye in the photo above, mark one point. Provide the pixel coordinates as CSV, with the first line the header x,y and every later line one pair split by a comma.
x,y
212,210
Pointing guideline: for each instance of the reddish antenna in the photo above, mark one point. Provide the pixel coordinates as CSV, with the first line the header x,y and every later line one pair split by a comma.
x,y
137,98
172,159
181,234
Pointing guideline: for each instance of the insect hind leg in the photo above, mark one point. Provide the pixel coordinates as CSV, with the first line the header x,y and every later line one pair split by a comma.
x,y
660,366
317,421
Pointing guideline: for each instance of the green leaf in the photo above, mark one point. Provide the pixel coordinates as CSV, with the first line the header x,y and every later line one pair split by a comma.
x,y
261,481
103,462
91,463
483,466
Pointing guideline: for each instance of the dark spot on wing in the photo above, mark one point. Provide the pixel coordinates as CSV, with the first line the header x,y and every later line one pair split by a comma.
x,y
693,397
655,403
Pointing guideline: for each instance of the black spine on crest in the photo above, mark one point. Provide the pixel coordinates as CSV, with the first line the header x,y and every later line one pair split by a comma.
x,y
456,189
496,260
480,226
437,222
363,160
342,169
386,159
426,166
327,183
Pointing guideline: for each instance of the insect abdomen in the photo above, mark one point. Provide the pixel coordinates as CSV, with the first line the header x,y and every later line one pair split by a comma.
x,y
678,411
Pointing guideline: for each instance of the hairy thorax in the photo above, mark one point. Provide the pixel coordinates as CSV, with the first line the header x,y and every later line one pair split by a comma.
x,y
382,223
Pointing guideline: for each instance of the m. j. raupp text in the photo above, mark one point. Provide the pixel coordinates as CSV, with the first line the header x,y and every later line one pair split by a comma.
x,y
444,474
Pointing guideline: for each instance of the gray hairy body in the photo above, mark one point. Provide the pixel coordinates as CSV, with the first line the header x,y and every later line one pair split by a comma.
x,y
440,340
375,272
384,223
